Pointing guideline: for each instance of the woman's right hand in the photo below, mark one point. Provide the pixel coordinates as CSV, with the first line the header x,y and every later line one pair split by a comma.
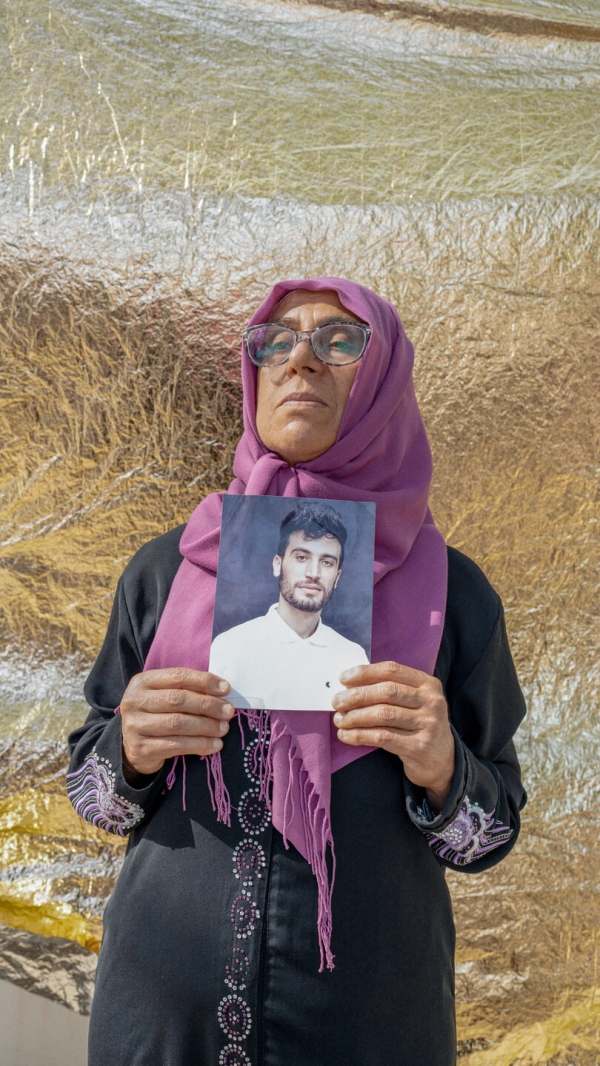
x,y
172,712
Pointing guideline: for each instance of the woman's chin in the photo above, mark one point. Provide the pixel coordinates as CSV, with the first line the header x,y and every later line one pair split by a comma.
x,y
299,447
294,455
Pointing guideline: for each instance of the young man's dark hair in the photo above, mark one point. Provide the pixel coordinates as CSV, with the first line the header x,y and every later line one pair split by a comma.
x,y
314,520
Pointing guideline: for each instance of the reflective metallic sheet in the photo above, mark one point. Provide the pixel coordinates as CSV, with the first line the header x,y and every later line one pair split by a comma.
x,y
56,968
158,182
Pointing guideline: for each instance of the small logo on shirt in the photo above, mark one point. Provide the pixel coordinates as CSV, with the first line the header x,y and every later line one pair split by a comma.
x,y
328,684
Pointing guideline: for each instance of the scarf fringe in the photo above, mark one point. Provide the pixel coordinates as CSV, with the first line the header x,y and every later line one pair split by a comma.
x,y
172,777
261,760
315,820
318,837
219,796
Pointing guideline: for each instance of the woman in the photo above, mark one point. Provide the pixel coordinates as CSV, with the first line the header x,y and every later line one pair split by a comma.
x,y
283,899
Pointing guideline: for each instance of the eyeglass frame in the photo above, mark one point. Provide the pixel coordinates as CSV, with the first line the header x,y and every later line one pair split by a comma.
x,y
305,334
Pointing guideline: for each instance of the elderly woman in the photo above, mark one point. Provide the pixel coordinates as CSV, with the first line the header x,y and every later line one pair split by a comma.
x,y
283,899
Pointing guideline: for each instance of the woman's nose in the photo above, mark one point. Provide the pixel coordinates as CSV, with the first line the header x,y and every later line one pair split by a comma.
x,y
302,357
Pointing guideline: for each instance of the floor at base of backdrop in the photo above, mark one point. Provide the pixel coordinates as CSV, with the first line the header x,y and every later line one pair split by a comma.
x,y
37,1032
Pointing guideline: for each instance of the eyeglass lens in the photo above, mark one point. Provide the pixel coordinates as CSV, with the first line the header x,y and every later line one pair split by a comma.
x,y
335,344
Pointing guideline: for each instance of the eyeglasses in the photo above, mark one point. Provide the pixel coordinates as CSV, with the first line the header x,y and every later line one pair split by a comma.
x,y
337,343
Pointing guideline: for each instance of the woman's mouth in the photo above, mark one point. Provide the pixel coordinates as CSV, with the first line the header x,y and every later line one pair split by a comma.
x,y
309,399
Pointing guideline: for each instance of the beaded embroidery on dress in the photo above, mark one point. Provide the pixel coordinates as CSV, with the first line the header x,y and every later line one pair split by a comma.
x,y
248,861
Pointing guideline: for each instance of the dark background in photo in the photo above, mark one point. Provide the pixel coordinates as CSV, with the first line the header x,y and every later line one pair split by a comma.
x,y
246,587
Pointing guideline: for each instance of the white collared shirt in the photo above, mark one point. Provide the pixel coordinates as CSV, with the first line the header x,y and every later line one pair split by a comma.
x,y
268,665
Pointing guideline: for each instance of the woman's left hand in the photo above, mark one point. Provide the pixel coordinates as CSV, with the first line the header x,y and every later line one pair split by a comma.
x,y
386,705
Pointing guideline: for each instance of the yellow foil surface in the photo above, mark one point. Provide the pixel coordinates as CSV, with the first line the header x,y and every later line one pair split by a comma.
x,y
453,169
41,838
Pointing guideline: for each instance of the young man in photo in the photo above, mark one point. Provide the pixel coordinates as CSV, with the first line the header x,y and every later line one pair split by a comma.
x,y
288,659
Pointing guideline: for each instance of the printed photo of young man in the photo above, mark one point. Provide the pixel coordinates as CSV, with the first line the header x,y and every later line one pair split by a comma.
x,y
288,659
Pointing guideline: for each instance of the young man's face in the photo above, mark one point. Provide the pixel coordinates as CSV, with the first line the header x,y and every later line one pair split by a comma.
x,y
309,571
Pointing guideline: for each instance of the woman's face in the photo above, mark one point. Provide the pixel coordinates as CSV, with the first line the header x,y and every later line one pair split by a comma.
x,y
300,405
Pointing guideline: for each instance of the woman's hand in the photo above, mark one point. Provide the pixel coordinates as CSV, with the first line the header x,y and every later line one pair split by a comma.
x,y
389,706
172,712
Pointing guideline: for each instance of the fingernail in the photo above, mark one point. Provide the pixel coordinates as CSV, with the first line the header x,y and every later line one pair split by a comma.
x,y
338,718
227,710
223,686
347,675
343,734
223,727
217,744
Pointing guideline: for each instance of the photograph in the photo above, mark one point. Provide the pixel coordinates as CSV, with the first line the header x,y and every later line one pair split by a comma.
x,y
294,599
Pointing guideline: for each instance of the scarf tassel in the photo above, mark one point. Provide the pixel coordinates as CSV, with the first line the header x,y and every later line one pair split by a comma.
x,y
316,825
315,821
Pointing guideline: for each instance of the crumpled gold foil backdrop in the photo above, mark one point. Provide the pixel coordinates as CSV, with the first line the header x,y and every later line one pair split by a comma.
x,y
129,262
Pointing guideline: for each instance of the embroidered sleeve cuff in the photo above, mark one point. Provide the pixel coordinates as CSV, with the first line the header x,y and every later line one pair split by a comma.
x,y
464,831
98,790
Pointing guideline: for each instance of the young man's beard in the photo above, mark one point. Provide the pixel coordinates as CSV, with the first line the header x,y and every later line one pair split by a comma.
x,y
309,605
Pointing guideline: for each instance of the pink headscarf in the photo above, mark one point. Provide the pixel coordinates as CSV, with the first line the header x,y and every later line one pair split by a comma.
x,y
381,455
